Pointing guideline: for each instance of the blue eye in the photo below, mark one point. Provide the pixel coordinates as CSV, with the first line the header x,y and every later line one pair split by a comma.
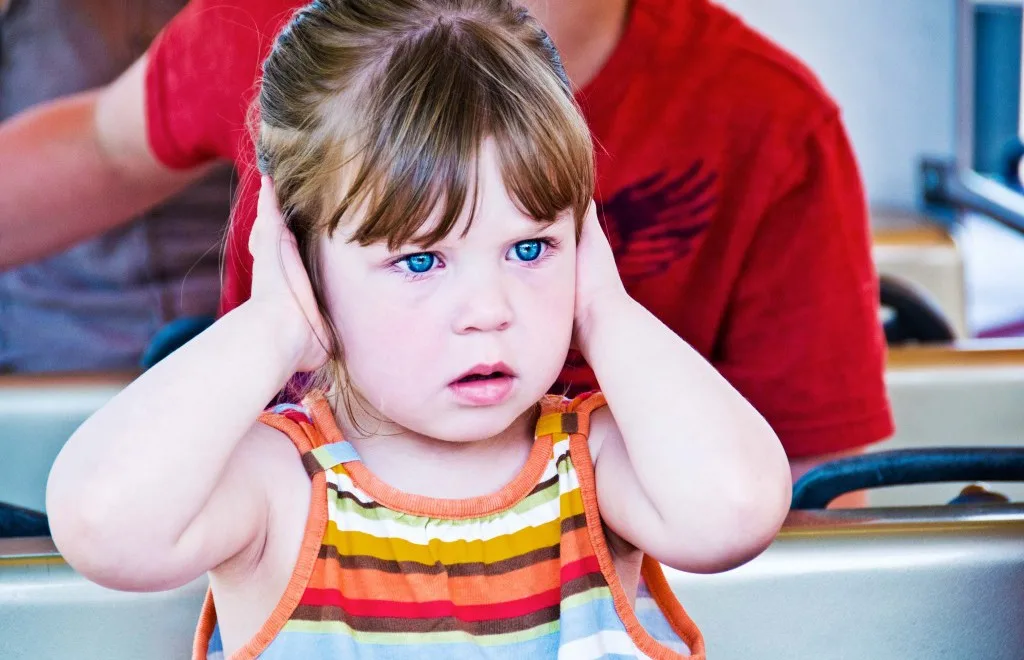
x,y
420,263
528,250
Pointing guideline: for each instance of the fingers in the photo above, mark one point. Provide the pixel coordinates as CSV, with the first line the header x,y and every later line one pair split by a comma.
x,y
266,207
269,222
591,223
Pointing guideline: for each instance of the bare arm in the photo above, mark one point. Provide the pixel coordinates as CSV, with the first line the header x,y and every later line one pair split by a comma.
x,y
686,469
171,478
164,482
77,167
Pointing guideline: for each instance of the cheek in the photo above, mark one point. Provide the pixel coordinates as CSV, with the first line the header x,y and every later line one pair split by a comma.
x,y
550,311
387,341
546,319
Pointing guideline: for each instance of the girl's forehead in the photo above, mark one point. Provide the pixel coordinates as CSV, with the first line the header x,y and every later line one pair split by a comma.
x,y
487,231
483,210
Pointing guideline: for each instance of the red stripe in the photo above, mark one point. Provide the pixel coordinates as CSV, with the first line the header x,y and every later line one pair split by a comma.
x,y
296,416
431,609
579,568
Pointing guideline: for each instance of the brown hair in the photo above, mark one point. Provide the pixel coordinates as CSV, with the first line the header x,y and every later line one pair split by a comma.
x,y
400,95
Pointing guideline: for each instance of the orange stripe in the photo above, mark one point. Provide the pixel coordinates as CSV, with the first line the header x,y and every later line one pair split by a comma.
x,y
367,584
576,545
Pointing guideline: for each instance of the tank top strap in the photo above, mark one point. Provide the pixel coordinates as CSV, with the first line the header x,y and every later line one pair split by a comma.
x,y
312,429
571,417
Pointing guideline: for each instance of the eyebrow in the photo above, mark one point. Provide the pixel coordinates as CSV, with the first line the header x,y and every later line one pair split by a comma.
x,y
535,230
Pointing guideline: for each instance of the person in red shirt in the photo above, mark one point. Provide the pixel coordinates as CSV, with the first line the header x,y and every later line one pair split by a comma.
x,y
726,183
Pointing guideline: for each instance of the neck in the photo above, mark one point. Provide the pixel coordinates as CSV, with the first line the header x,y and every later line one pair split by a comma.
x,y
421,465
584,31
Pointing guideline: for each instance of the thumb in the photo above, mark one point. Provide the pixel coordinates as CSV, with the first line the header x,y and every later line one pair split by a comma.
x,y
269,221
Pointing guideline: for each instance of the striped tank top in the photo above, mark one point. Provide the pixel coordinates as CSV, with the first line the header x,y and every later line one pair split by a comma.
x,y
523,573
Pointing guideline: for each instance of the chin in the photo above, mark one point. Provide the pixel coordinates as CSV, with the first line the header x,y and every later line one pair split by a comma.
x,y
474,424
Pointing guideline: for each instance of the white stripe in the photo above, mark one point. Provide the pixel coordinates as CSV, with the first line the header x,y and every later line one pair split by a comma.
x,y
344,482
431,529
646,604
598,645
439,530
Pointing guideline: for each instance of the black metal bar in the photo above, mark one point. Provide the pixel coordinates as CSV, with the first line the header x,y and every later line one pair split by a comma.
x,y
965,190
906,467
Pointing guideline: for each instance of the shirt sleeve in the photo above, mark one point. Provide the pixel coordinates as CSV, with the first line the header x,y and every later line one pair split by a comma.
x,y
802,339
201,78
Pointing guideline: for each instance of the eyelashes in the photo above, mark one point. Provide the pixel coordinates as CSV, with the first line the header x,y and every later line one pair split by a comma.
x,y
529,253
532,251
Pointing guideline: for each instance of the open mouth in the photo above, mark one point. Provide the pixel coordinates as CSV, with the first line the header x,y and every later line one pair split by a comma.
x,y
482,373
484,385
476,378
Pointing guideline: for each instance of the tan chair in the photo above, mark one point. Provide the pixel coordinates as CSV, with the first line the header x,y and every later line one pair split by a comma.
x,y
917,250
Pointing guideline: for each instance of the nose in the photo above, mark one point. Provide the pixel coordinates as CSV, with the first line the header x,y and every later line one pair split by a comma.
x,y
484,305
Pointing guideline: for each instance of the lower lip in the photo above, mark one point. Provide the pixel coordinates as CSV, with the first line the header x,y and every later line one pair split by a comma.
x,y
488,392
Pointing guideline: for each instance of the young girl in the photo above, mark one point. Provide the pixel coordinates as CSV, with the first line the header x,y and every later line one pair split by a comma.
x,y
436,252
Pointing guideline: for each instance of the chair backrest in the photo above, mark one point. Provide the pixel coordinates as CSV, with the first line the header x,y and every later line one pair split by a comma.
x,y
37,416
896,584
907,584
49,611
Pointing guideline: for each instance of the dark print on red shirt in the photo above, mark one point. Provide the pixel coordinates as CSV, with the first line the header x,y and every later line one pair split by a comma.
x,y
655,221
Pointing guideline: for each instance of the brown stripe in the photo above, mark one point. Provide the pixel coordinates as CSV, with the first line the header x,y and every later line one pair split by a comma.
x,y
572,524
347,495
544,485
311,464
564,458
583,583
352,562
316,614
570,423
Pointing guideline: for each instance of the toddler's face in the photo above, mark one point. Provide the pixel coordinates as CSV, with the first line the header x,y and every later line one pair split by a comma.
x,y
457,341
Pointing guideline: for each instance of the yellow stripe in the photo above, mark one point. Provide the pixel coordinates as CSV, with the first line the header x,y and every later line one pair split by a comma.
x,y
550,424
499,548
571,504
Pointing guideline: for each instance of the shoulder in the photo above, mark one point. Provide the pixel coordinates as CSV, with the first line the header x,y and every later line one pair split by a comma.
x,y
201,75
585,415
278,438
734,70
202,19
240,32
268,447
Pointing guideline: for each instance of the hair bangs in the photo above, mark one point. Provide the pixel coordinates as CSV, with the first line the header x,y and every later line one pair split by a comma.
x,y
425,118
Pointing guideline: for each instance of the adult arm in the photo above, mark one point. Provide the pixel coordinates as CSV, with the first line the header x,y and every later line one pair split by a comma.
x,y
79,166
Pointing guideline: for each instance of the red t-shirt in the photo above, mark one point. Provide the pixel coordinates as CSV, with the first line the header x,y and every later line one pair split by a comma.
x,y
726,180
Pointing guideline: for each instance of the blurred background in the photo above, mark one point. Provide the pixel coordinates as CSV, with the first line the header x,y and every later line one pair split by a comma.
x,y
930,92
919,78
